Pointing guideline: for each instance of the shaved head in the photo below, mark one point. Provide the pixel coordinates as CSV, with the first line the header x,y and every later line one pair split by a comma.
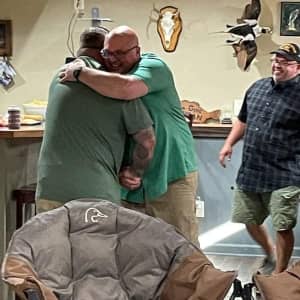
x,y
121,48
124,34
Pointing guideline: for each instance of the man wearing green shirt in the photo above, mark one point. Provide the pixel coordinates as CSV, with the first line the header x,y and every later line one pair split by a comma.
x,y
84,139
169,185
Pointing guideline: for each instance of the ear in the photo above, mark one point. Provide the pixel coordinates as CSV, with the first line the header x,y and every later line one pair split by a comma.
x,y
138,51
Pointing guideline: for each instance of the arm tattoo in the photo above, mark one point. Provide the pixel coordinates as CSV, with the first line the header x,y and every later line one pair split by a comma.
x,y
143,151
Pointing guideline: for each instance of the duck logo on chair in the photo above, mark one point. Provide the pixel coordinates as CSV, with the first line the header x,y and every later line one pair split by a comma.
x,y
169,26
93,215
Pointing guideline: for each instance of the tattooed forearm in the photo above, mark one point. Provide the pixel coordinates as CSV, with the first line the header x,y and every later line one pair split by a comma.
x,y
143,151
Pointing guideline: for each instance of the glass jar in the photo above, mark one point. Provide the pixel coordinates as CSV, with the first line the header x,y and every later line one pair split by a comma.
x,y
14,117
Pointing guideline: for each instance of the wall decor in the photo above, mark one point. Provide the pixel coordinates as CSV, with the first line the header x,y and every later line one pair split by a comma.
x,y
168,25
5,38
199,113
244,34
290,18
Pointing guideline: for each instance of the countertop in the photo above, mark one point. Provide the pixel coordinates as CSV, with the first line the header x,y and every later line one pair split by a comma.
x,y
198,130
211,130
35,131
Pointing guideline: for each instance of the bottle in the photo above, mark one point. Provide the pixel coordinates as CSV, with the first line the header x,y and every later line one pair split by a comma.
x,y
14,117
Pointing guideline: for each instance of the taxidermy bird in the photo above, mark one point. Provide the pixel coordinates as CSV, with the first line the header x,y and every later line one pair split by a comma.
x,y
244,33
292,19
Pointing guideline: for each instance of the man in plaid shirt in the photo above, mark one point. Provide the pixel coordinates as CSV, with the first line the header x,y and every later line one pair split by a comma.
x,y
268,181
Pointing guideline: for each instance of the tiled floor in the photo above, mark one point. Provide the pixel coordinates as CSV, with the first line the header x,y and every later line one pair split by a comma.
x,y
245,265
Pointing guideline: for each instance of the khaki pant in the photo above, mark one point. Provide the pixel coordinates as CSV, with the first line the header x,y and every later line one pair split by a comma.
x,y
177,206
43,205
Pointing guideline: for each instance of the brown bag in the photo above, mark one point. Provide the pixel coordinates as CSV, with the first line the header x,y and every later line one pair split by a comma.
x,y
197,278
282,286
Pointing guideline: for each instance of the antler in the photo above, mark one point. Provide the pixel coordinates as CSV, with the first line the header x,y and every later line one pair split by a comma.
x,y
155,9
152,19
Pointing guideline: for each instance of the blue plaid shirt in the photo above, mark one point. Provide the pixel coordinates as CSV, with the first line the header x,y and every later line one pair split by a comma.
x,y
271,153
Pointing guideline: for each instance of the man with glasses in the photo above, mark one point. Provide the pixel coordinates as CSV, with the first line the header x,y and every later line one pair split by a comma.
x,y
85,137
268,181
169,185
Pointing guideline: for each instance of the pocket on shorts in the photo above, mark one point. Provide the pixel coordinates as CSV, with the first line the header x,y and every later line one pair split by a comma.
x,y
292,192
285,208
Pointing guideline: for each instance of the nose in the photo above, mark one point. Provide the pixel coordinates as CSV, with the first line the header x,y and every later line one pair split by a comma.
x,y
112,58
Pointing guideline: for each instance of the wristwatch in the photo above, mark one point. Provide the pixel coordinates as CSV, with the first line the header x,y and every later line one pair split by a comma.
x,y
76,73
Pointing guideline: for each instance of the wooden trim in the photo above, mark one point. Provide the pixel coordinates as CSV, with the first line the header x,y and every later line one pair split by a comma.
x,y
24,132
211,130
198,130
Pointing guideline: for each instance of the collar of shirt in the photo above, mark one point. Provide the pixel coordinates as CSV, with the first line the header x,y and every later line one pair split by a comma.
x,y
282,84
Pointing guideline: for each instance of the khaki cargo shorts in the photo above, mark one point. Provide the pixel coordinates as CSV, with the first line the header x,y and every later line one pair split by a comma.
x,y
281,205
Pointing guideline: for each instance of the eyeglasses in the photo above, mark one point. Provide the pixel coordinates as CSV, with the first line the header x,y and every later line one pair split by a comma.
x,y
283,62
117,54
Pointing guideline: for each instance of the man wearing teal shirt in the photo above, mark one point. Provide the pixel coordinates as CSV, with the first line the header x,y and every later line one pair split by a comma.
x,y
85,136
169,185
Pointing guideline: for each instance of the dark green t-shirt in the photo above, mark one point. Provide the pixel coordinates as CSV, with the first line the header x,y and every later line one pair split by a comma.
x,y
174,154
83,143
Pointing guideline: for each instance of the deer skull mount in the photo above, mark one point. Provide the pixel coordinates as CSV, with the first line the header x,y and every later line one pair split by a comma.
x,y
169,27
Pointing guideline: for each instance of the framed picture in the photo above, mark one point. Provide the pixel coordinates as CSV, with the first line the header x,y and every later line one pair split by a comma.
x,y
290,18
5,38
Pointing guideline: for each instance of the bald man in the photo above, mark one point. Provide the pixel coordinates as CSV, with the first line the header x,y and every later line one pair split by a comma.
x,y
169,185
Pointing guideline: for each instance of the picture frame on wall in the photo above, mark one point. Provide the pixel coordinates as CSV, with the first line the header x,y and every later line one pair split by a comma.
x,y
290,18
5,38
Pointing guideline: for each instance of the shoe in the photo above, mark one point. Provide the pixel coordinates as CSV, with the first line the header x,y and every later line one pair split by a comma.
x,y
267,266
257,292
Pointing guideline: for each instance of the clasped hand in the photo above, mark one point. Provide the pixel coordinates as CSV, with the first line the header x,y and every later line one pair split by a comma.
x,y
129,179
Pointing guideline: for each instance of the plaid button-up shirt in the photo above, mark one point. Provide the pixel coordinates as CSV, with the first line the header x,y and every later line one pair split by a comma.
x,y
271,153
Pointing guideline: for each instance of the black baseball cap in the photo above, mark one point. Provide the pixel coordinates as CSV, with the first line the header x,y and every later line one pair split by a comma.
x,y
289,51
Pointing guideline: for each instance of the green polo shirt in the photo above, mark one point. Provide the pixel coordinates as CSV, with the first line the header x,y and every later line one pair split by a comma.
x,y
174,155
84,140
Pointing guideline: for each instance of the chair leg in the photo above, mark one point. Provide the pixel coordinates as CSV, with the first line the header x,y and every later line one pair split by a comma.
x,y
243,292
32,294
237,289
248,291
17,297
19,214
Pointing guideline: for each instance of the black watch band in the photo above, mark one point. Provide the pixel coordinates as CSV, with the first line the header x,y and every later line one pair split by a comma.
x,y
76,73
